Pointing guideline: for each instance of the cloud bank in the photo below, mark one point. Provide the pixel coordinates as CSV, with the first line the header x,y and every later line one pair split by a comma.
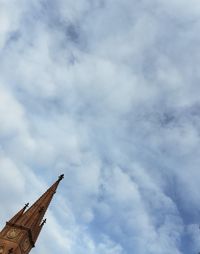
x,y
106,92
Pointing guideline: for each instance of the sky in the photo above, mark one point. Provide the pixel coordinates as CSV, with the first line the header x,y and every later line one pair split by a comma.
x,y
106,92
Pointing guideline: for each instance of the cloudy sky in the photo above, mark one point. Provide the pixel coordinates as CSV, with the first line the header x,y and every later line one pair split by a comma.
x,y
107,92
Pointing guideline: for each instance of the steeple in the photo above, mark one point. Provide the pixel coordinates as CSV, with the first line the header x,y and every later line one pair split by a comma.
x,y
22,231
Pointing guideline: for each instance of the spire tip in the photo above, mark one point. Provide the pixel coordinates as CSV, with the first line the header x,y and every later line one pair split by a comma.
x,y
61,177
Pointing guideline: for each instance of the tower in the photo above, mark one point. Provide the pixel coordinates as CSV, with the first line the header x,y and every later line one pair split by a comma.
x,y
20,233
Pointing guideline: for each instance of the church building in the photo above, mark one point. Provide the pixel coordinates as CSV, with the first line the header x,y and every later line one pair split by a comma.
x,y
21,232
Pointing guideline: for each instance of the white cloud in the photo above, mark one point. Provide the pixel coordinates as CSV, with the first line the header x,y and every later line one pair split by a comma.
x,y
107,92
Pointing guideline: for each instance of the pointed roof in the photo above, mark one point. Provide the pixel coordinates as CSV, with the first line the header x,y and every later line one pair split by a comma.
x,y
32,219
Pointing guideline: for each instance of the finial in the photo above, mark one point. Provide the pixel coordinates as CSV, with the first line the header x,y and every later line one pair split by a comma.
x,y
43,222
26,205
61,177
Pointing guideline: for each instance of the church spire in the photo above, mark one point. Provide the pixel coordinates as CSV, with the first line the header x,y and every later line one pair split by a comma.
x,y
32,218
30,221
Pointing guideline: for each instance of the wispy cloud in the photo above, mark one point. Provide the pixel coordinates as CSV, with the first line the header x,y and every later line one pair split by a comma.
x,y
108,92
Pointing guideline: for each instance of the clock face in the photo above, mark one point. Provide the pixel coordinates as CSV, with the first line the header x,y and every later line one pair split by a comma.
x,y
1,249
26,244
12,233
